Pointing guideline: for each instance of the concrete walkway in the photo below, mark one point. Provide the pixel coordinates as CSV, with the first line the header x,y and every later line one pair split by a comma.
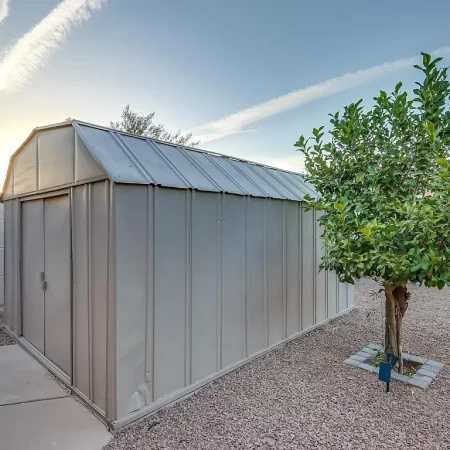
x,y
37,413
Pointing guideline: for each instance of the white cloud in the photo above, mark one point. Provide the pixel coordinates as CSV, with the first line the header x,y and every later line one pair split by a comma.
x,y
237,121
31,51
215,136
4,9
294,163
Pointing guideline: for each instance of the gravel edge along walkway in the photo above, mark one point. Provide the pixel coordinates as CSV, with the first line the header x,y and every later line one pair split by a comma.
x,y
304,397
5,339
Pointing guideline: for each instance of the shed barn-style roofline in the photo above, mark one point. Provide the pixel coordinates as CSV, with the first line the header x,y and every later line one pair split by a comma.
x,y
133,159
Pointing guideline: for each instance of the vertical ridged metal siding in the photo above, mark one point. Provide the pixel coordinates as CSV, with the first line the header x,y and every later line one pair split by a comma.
x,y
206,280
12,314
90,213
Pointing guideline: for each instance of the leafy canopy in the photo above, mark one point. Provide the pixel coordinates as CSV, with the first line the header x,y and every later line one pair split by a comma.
x,y
145,126
383,183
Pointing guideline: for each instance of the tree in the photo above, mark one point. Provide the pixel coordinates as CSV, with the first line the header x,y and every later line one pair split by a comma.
x,y
383,183
144,125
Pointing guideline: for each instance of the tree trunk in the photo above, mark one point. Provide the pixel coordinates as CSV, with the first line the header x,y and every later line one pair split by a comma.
x,y
396,304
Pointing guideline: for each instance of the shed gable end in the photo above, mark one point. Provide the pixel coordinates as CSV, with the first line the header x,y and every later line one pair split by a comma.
x,y
49,159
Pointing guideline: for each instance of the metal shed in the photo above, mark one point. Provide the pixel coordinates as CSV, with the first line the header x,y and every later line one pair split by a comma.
x,y
2,259
138,271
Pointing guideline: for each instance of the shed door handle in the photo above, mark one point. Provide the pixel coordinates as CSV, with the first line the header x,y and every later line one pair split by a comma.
x,y
43,281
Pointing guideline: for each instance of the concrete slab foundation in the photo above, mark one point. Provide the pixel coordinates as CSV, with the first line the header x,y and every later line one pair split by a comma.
x,y
62,424
23,379
37,413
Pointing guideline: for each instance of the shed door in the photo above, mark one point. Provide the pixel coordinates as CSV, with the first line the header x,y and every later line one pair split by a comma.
x,y
57,276
46,278
32,267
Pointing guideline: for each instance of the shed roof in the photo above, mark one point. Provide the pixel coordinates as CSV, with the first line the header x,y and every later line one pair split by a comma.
x,y
133,159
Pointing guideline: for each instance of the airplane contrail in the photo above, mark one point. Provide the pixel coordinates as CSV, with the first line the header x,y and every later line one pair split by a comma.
x,y
234,123
4,9
31,51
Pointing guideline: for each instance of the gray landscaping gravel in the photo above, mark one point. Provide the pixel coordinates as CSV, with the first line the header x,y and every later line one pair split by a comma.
x,y
5,339
304,397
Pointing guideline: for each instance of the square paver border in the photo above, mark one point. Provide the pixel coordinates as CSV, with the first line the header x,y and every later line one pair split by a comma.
x,y
422,379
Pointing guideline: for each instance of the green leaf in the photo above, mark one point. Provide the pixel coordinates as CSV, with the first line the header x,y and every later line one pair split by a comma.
x,y
367,230
339,206
359,177
442,162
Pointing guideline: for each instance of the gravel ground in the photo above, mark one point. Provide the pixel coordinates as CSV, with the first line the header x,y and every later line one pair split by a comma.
x,y
304,397
4,338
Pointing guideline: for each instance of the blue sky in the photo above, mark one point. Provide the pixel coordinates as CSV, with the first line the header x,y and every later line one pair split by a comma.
x,y
198,61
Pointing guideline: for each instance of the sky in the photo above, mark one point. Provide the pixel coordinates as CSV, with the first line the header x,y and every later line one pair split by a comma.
x,y
248,77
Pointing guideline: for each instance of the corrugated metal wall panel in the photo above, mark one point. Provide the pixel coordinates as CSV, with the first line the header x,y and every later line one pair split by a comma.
x,y
293,268
111,313
274,217
14,263
9,266
90,222
351,295
25,169
321,276
309,268
56,157
332,305
81,308
226,277
98,264
170,291
256,250
233,279
150,319
204,284
343,296
131,291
